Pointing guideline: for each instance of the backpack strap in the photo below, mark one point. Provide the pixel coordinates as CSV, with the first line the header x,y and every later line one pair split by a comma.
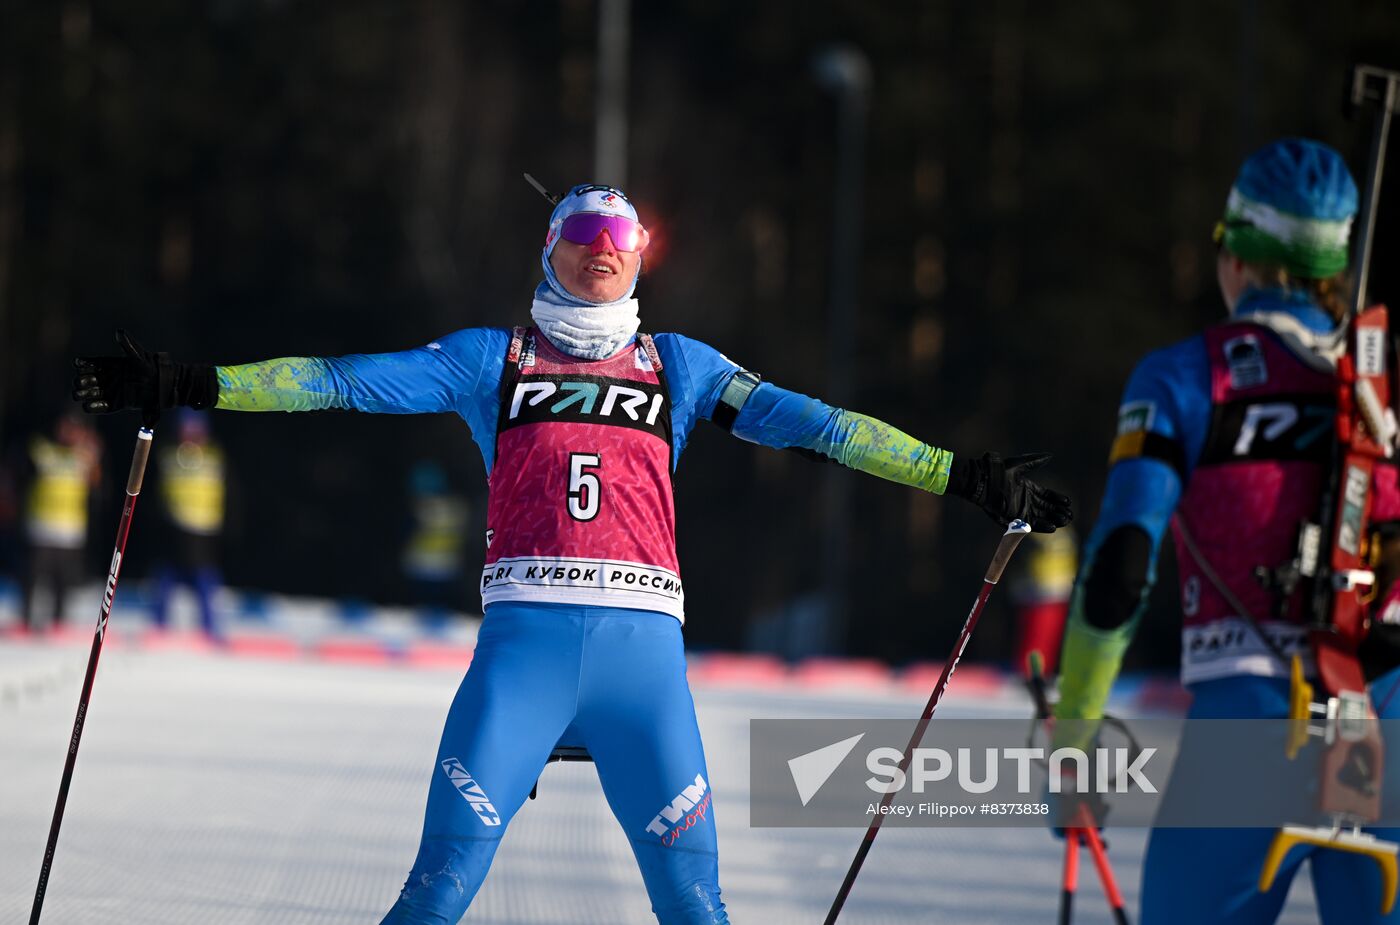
x,y
649,347
521,348
517,344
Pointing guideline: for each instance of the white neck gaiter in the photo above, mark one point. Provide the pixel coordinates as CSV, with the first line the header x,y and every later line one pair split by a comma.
x,y
592,333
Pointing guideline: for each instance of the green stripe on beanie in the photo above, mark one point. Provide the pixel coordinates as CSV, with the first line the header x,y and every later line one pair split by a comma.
x,y
1254,246
1311,248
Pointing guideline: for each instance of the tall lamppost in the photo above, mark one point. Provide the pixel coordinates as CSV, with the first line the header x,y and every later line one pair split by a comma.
x,y
845,71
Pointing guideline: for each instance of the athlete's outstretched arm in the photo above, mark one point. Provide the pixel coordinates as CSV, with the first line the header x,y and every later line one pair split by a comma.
x,y
763,413
422,380
778,418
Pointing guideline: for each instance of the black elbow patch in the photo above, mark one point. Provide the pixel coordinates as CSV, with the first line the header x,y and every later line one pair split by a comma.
x,y
810,455
1113,588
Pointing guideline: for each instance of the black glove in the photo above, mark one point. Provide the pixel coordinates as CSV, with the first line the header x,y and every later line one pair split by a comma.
x,y
142,380
1000,487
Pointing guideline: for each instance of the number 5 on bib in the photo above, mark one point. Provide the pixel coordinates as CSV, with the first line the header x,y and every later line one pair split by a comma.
x,y
584,487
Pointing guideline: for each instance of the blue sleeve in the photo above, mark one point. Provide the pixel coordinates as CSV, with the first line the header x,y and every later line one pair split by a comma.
x,y
778,418
460,372
485,349
772,416
696,374
1162,423
444,375
781,419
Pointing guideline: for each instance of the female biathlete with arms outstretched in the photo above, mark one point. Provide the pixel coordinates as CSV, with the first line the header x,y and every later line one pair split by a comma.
x,y
580,420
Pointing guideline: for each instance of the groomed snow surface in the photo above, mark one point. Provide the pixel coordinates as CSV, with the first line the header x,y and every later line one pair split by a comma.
x,y
234,789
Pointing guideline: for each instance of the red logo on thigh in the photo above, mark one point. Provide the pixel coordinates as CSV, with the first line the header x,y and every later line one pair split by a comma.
x,y
696,815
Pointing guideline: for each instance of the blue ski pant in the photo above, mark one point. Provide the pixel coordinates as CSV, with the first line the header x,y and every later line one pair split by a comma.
x,y
205,581
608,679
1210,876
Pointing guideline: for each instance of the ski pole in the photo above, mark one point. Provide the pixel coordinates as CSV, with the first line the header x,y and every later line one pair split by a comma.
x,y
1071,879
1110,883
1043,712
1015,532
1087,829
133,488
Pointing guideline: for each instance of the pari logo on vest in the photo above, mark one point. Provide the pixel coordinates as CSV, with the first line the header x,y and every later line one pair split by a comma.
x,y
471,792
580,399
690,808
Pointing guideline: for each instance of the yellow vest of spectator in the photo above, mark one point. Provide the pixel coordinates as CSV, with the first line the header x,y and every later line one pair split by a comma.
x,y
434,552
58,498
192,483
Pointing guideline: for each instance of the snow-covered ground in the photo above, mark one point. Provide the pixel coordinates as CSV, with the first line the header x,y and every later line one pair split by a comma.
x,y
222,789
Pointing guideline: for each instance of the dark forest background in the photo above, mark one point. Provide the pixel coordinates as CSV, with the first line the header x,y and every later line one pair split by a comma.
x,y
234,180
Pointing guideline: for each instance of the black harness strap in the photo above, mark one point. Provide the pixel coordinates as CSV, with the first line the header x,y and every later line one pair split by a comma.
x,y
736,391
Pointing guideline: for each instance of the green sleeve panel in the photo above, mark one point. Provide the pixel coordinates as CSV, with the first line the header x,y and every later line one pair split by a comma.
x,y
1089,664
874,447
285,384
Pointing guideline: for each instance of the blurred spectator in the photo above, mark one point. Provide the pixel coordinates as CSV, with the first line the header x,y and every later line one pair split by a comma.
x,y
65,470
10,545
1042,597
434,558
192,489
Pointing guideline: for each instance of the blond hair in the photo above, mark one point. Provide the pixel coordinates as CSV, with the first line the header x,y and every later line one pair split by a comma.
x,y
1331,293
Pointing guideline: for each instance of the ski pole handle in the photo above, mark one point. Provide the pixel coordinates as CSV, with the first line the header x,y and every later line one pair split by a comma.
x,y
1015,532
138,462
